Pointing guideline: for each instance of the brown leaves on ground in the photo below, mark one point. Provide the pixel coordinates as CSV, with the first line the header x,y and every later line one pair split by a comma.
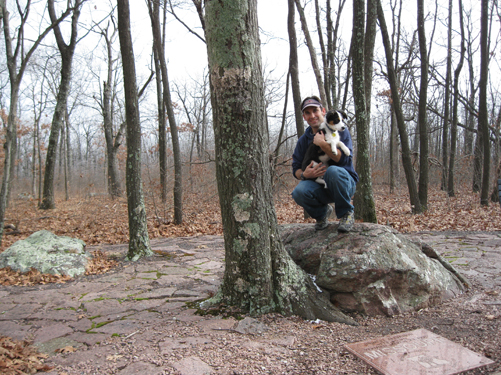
x,y
18,357
100,220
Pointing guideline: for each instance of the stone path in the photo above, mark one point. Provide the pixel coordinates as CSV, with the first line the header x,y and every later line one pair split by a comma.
x,y
137,298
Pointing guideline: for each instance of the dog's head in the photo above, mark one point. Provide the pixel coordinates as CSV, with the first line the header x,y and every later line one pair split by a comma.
x,y
335,119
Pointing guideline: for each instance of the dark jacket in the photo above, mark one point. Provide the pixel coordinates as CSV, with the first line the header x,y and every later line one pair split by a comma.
x,y
304,141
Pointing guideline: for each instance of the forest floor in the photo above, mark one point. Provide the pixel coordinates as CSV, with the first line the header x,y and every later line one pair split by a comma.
x,y
100,220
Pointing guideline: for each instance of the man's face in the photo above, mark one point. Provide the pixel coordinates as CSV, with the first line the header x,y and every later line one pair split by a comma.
x,y
314,116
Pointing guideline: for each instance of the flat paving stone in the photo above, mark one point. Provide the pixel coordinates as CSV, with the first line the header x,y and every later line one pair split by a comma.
x,y
51,332
193,366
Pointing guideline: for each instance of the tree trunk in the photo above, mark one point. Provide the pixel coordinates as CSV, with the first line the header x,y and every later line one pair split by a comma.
x,y
294,69
67,51
422,116
404,138
139,241
445,130
311,49
454,125
114,185
259,277
153,8
365,207
162,128
483,115
15,78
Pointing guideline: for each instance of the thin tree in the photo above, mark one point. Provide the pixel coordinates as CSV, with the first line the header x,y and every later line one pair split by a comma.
x,y
294,68
17,61
483,114
139,241
154,11
67,51
445,127
404,138
259,276
311,50
455,105
422,114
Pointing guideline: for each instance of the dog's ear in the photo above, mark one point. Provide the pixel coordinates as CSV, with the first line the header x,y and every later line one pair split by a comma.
x,y
330,117
344,115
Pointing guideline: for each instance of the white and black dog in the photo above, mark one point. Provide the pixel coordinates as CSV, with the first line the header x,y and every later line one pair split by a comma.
x,y
333,124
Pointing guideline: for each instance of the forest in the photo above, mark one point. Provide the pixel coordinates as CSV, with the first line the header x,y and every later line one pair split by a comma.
x,y
425,118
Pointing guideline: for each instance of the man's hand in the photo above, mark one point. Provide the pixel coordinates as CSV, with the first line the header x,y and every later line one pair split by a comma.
x,y
314,171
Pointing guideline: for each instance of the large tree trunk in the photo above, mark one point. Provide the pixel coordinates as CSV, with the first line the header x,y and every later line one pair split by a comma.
x,y
422,117
259,277
67,51
365,207
139,241
404,138
483,115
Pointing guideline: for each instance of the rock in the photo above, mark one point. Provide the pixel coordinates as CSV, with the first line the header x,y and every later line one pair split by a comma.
x,y
47,253
373,269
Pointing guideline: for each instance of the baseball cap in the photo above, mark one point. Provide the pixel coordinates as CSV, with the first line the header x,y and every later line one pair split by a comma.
x,y
310,103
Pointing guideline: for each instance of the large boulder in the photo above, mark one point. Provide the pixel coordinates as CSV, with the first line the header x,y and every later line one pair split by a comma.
x,y
373,269
47,253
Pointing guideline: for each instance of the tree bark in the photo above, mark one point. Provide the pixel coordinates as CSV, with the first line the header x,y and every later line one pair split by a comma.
x,y
448,79
365,206
139,241
483,115
422,116
259,277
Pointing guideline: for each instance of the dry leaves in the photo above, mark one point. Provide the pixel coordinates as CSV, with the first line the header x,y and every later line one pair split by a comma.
x,y
18,357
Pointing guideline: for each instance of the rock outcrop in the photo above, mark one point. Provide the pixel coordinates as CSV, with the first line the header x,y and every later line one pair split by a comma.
x,y
373,269
47,253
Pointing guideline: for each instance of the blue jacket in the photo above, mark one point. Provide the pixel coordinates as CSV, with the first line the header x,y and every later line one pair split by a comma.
x,y
304,141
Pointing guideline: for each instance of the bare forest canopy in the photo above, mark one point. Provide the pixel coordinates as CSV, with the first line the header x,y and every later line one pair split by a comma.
x,y
89,150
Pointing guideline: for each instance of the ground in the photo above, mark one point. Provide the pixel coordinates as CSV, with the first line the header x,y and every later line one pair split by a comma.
x,y
472,320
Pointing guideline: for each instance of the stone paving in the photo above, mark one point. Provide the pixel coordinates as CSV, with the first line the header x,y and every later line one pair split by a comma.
x,y
135,298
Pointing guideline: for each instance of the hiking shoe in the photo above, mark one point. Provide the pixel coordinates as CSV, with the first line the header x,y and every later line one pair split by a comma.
x,y
323,223
346,222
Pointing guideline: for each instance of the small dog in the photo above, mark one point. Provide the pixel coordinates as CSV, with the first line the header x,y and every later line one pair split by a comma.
x,y
333,124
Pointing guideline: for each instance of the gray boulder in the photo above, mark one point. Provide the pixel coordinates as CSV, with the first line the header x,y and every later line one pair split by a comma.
x,y
373,269
47,253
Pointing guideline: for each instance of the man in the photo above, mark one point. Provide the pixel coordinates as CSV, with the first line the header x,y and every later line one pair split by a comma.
x,y
340,177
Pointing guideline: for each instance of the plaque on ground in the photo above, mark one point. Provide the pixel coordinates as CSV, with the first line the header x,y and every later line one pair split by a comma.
x,y
417,352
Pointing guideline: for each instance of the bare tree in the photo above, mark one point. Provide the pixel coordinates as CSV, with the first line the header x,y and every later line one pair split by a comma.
x,y
139,241
483,115
67,51
17,61
422,115
294,68
457,72
154,11
404,138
